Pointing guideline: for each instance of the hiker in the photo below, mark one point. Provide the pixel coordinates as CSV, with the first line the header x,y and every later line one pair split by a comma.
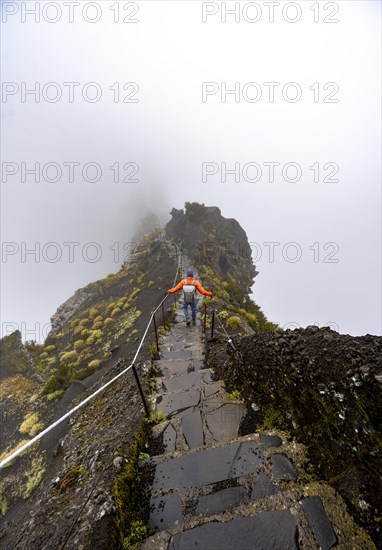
x,y
190,286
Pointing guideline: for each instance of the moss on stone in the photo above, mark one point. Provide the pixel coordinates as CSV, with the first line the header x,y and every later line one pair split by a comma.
x,y
126,491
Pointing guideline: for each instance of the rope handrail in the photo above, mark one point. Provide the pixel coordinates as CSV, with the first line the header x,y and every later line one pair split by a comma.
x,y
34,440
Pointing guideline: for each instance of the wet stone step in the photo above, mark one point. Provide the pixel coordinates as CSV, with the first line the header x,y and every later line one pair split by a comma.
x,y
176,402
224,422
282,468
319,522
165,512
192,428
263,488
182,382
275,530
169,438
220,501
176,367
208,377
180,354
211,388
209,466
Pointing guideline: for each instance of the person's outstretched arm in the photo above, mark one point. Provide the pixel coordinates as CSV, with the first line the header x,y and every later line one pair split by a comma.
x,y
176,288
201,289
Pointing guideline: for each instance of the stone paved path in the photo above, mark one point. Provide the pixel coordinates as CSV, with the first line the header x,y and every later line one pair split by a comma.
x,y
212,488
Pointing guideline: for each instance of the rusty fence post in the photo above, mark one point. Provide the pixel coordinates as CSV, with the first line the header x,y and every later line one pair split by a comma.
x,y
140,390
156,333
213,323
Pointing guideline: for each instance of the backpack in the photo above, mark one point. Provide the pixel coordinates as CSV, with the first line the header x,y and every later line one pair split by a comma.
x,y
189,292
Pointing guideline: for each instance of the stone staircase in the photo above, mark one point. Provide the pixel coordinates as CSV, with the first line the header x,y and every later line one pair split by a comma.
x,y
212,488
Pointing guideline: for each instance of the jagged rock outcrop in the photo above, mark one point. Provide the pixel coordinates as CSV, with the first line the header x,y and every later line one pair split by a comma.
x,y
68,309
210,239
14,358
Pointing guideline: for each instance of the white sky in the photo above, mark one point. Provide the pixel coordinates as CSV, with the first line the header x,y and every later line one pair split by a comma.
x,y
170,132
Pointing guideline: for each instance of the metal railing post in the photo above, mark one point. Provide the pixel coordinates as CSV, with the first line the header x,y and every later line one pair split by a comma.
x,y
213,323
205,318
156,332
140,390
164,320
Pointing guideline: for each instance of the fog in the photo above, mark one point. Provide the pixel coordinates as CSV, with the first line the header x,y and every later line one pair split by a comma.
x,y
137,103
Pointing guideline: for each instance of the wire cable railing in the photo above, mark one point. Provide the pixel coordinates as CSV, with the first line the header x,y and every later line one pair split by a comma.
x,y
40,435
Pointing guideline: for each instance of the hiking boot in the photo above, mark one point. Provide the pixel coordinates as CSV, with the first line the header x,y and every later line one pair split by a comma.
x,y
188,323
194,322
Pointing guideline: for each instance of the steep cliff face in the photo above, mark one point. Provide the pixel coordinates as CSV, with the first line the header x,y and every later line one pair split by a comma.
x,y
211,240
74,468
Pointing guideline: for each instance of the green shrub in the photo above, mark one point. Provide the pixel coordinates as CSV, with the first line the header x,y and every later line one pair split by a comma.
x,y
97,325
98,319
115,311
223,294
134,294
43,355
55,395
68,356
31,424
155,418
49,349
52,385
140,278
107,321
233,322
93,312
78,344
273,419
138,532
34,476
84,373
234,395
94,364
84,322
223,314
78,329
85,332
237,294
3,504
74,323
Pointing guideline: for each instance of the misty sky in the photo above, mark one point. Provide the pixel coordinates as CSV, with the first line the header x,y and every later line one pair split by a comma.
x,y
176,136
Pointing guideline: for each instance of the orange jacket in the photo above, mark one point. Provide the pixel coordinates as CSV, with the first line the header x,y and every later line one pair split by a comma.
x,y
190,281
